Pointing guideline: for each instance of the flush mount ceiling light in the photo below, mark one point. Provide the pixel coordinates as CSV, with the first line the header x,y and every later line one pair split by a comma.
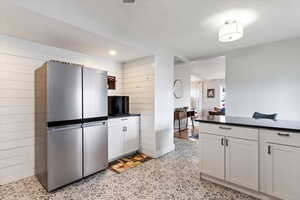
x,y
246,17
231,31
112,52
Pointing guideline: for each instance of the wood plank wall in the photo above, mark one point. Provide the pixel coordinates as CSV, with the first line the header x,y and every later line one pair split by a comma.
x,y
138,79
18,60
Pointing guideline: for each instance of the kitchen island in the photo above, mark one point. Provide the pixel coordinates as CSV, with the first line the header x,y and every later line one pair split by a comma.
x,y
283,125
260,157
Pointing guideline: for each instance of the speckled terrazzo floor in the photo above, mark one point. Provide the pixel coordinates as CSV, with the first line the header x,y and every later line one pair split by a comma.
x,y
174,176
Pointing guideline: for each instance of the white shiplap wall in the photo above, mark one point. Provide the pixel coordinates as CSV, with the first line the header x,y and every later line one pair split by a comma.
x,y
138,84
18,60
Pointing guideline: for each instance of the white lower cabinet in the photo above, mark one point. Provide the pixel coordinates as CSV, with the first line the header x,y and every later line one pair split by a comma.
x,y
231,159
131,136
282,171
264,160
212,155
115,142
242,162
123,136
280,164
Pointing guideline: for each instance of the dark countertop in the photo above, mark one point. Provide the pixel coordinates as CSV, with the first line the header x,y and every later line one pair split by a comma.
x,y
123,115
282,125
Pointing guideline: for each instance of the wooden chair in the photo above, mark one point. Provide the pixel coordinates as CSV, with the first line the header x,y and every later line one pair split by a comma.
x,y
191,114
182,113
179,115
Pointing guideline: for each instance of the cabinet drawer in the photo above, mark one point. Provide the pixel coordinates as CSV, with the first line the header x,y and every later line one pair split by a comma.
x,y
132,120
280,137
113,122
122,120
230,131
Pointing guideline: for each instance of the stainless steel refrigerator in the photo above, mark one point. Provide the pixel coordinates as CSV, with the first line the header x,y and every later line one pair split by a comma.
x,y
70,123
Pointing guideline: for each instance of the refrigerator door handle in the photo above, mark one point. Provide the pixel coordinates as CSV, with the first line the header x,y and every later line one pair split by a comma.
x,y
90,124
62,128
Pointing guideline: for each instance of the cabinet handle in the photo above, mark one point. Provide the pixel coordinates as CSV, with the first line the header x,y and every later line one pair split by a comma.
x,y
124,119
62,128
222,141
225,128
226,142
269,149
283,134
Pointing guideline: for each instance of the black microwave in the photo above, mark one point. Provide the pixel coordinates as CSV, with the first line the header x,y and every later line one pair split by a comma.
x,y
118,105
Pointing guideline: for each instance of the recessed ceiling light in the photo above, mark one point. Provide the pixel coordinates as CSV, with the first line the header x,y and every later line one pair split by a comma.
x,y
231,31
112,52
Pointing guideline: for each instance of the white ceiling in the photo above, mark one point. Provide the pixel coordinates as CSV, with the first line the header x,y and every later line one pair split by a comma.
x,y
188,28
22,23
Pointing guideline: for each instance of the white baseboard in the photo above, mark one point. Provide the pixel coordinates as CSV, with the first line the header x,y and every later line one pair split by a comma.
x,y
252,193
165,150
148,152
157,154
122,156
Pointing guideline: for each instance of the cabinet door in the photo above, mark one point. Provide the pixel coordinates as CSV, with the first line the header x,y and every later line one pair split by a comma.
x,y
212,155
131,135
242,162
281,171
115,142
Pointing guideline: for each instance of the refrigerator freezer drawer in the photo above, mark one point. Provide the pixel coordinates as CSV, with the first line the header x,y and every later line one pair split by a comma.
x,y
64,156
94,93
95,147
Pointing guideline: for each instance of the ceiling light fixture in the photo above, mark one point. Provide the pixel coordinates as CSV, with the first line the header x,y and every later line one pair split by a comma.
x,y
231,31
112,52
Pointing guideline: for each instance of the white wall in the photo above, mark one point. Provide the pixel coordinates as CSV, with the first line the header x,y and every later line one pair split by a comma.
x,y
197,95
210,71
139,86
182,73
164,104
18,60
210,103
149,83
266,79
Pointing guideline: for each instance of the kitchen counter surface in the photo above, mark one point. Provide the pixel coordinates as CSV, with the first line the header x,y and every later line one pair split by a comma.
x,y
282,125
123,115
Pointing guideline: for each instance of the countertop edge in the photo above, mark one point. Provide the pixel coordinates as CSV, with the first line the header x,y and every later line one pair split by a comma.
x,y
126,115
249,125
